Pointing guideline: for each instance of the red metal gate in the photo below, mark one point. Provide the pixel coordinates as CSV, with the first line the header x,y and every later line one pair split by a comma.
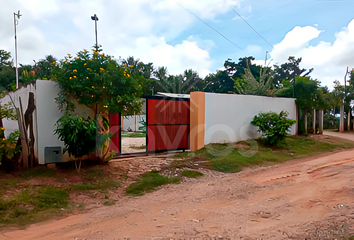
x,y
115,130
167,124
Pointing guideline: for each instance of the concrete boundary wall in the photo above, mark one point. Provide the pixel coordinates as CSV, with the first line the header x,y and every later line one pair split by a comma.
x,y
227,117
45,115
23,93
133,122
48,114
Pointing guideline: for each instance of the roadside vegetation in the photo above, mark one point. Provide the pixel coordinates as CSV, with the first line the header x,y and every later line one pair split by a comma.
x,y
231,158
148,182
152,180
41,193
133,134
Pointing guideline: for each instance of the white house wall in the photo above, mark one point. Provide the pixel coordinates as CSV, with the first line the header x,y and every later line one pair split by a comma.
x,y
228,116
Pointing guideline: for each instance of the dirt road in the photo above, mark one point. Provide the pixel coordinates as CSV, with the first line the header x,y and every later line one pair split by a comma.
x,y
307,198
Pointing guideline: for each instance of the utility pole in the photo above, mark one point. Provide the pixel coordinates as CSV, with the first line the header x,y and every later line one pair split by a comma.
x,y
341,119
95,18
16,15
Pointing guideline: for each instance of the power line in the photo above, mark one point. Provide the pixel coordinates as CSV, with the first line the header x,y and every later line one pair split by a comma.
x,y
251,26
211,27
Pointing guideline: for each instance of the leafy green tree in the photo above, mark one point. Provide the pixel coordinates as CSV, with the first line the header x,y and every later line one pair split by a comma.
x,y
223,81
182,83
142,72
273,127
308,94
104,85
286,73
248,84
219,82
99,82
6,112
7,72
44,69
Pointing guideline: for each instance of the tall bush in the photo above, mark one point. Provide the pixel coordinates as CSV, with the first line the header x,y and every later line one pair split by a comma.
x,y
273,127
80,135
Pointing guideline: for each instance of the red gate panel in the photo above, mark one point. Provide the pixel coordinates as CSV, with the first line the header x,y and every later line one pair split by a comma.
x,y
114,129
167,124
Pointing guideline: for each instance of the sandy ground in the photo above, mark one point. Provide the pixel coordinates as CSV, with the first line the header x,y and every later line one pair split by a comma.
x,y
308,198
128,144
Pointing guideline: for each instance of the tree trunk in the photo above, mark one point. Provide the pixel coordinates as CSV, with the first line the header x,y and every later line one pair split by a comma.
x,y
29,124
24,141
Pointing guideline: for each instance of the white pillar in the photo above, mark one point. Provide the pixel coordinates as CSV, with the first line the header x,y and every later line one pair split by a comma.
x,y
320,120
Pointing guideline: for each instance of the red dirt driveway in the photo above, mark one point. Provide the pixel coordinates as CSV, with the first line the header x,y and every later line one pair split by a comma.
x,y
309,198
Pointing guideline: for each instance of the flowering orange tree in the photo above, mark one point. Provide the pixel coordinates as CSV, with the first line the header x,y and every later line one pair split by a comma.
x,y
99,82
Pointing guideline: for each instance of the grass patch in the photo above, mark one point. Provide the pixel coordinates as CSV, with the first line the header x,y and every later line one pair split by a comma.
x,y
233,157
148,182
32,205
8,183
133,134
94,173
22,203
39,171
109,202
96,179
100,184
143,147
81,187
191,174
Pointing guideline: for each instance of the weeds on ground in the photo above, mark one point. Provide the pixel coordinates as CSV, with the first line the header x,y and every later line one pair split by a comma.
x,y
22,203
138,147
39,171
32,205
148,182
109,202
191,174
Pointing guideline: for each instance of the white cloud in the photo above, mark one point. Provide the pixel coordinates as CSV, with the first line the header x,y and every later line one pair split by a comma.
x,y
294,43
39,9
177,58
141,28
329,59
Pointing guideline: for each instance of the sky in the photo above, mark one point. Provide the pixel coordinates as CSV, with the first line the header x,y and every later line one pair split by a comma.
x,y
178,34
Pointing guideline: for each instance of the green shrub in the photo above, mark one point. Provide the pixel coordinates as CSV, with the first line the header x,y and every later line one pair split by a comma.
x,y
273,127
80,136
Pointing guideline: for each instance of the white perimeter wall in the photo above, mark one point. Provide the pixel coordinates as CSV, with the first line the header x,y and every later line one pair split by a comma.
x,y
228,116
12,125
45,115
48,114
133,122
